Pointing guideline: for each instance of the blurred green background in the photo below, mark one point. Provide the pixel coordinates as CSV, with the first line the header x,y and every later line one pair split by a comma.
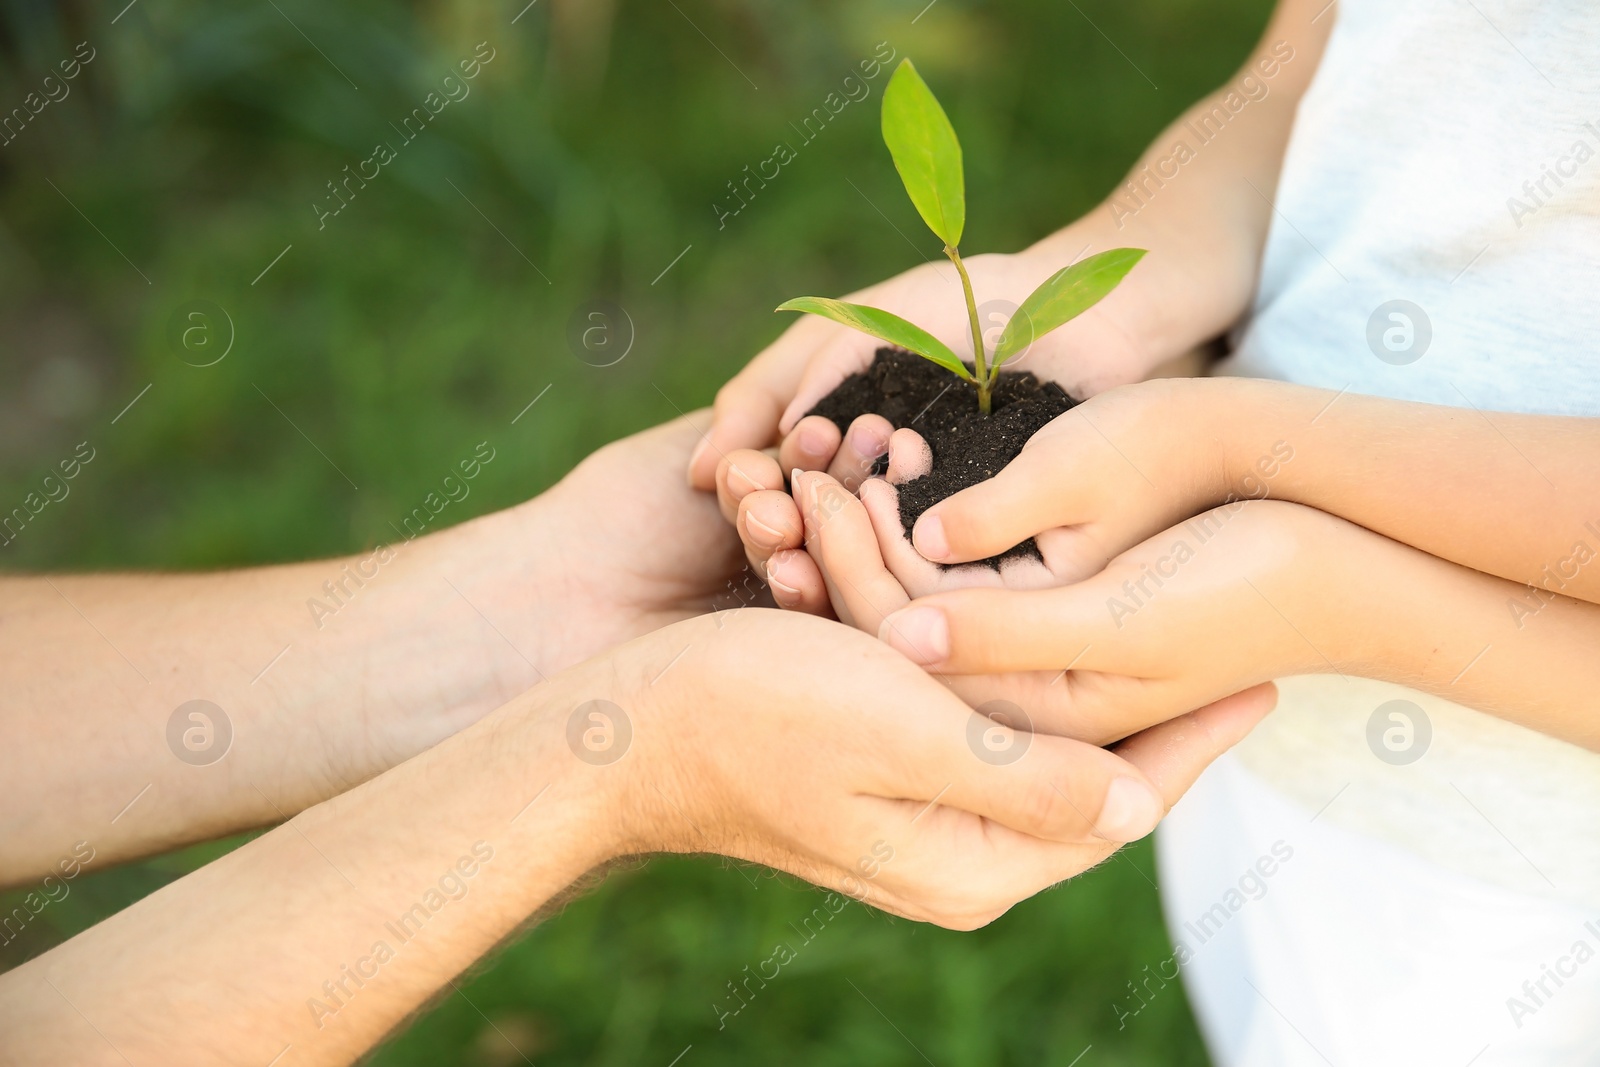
x,y
584,163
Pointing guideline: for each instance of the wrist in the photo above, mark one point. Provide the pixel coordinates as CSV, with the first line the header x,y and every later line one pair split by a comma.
x,y
427,636
1348,596
569,745
613,733
1182,435
1245,437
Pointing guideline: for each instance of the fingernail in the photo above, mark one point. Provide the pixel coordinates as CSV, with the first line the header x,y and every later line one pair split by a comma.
x,y
867,444
813,441
751,483
694,457
1131,811
789,591
922,635
794,480
929,539
769,536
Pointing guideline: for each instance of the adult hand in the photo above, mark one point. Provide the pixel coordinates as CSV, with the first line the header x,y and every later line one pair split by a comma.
x,y
767,401
619,547
800,744
616,549
765,736
402,647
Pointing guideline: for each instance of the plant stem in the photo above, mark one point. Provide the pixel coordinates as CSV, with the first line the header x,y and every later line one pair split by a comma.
x,y
979,362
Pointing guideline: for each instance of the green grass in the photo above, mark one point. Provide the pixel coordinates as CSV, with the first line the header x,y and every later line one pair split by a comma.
x,y
418,323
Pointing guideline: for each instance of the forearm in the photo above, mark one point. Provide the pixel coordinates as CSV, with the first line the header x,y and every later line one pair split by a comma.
x,y
330,672
1411,618
1199,198
316,677
1517,496
347,919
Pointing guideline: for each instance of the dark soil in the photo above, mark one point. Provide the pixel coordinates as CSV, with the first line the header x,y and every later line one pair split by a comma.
x,y
968,446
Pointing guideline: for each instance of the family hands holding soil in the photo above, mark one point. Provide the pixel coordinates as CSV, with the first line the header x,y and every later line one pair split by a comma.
x,y
889,755
541,688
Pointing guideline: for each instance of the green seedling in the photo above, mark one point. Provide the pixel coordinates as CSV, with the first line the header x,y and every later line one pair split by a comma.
x,y
926,153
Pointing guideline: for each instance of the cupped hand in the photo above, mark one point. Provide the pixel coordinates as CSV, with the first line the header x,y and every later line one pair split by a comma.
x,y
619,547
850,548
1104,476
774,531
1092,483
813,748
767,401
771,526
1233,597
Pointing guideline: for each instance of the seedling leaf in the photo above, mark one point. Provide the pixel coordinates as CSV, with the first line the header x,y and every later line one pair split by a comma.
x,y
1064,296
926,153
884,326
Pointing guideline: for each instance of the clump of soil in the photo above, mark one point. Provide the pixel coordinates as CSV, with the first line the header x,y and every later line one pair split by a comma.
x,y
968,446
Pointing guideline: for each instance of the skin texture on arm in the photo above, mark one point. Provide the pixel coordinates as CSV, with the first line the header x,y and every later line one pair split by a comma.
x,y
1266,589
410,644
1517,496
1204,223
1178,580
355,913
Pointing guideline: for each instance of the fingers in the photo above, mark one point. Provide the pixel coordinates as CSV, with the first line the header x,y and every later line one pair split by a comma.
x,y
1049,787
840,538
1089,706
740,473
1066,791
812,445
1027,496
797,584
963,872
1071,554
1172,754
916,575
954,868
909,457
751,495
866,440
1112,685
768,522
984,631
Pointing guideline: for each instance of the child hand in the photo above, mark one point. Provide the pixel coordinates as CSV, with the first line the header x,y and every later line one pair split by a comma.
x,y
752,496
1083,496
1104,476
843,550
1238,595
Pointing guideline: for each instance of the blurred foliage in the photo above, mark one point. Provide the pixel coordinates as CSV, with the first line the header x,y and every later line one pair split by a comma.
x,y
424,317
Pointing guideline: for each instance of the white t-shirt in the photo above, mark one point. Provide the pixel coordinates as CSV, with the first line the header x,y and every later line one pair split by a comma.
x,y
1447,155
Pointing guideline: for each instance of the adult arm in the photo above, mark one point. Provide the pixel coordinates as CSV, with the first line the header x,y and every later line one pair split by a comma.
x,y
326,673
354,913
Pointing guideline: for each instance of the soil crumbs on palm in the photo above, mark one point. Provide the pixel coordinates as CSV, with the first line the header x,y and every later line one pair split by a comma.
x,y
968,446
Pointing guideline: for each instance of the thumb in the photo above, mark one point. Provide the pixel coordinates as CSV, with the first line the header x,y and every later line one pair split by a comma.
x,y
1027,496
1173,754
